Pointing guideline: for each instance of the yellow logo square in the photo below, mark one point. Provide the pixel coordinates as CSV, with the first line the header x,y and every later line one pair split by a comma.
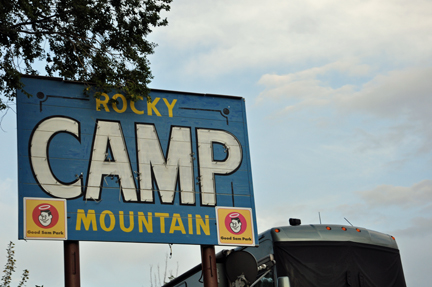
x,y
45,218
235,226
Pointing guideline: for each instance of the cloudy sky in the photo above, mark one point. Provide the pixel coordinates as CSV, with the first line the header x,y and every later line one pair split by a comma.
x,y
338,99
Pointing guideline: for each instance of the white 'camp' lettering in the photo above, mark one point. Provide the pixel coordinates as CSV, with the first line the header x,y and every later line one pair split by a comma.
x,y
208,167
178,162
110,134
154,168
39,141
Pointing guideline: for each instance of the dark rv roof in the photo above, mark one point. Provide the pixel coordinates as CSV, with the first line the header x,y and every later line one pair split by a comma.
x,y
314,233
332,232
338,264
154,90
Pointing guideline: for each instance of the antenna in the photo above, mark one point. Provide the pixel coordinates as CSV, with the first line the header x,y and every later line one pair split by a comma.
x,y
319,214
348,221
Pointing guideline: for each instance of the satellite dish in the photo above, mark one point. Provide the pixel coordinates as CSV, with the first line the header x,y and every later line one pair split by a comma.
x,y
241,262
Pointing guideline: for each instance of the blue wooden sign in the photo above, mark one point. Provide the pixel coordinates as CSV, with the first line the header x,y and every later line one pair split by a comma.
x,y
144,171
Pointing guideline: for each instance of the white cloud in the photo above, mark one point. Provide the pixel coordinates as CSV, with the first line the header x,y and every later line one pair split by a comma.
x,y
397,94
211,38
417,195
418,227
307,87
393,108
403,93
386,208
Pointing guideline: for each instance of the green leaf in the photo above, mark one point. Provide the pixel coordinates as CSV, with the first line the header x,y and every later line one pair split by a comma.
x,y
99,42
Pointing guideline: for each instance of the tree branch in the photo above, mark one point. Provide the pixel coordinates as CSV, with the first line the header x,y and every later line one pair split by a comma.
x,y
34,22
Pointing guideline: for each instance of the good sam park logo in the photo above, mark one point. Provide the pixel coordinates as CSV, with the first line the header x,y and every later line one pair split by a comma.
x,y
235,226
45,218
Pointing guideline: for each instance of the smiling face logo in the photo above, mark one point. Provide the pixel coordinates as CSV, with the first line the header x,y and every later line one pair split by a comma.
x,y
235,223
45,215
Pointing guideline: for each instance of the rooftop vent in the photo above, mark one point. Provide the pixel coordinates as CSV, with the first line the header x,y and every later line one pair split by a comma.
x,y
294,221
